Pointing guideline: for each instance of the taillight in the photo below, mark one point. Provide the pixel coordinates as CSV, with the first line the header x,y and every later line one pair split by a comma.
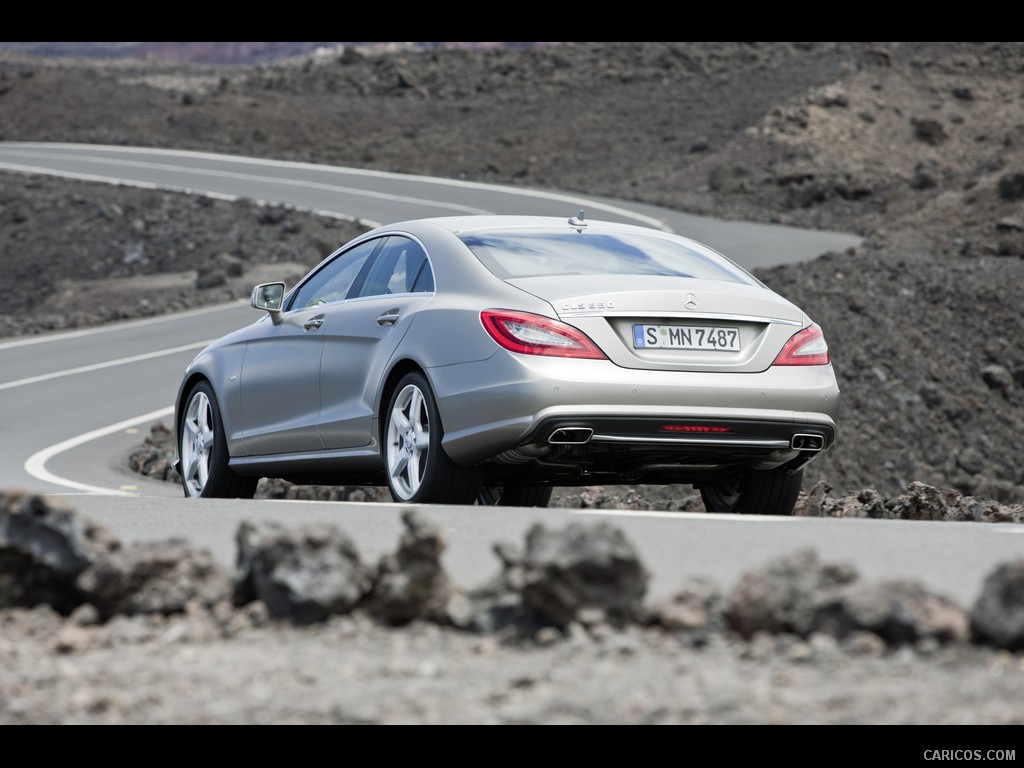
x,y
531,334
808,347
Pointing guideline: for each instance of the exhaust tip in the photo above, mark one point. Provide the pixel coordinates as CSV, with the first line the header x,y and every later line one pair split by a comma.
x,y
807,442
571,436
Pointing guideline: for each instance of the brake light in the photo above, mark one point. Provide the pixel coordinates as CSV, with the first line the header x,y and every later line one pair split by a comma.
x,y
697,428
530,334
807,347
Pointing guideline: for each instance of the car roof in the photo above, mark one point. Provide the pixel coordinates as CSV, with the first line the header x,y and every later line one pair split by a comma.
x,y
481,222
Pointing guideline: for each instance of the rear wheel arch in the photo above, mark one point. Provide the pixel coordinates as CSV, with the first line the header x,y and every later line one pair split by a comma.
x,y
395,375
418,470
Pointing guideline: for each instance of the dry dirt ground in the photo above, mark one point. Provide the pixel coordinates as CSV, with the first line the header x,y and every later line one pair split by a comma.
x,y
918,147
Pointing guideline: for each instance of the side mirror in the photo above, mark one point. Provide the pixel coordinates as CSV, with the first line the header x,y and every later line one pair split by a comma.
x,y
270,298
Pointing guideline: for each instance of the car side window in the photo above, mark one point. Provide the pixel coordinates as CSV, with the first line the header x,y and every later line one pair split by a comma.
x,y
423,277
334,280
398,268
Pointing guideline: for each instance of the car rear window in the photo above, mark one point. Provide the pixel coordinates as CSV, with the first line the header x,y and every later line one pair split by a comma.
x,y
534,253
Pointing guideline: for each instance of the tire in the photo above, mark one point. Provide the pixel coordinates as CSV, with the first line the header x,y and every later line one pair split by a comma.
x,y
515,496
203,451
762,492
418,469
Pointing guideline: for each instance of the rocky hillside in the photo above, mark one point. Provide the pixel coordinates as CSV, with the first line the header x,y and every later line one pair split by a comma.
x,y
919,147
233,53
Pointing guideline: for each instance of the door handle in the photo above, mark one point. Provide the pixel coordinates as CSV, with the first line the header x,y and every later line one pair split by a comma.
x,y
313,323
388,318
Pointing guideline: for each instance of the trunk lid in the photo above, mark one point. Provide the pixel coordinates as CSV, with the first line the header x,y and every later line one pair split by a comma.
x,y
666,323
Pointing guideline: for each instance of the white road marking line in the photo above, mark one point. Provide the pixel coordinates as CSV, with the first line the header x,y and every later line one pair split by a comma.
x,y
36,463
114,327
42,171
238,176
694,515
341,170
101,366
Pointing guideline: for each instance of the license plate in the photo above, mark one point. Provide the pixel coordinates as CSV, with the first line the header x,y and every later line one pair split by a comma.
x,y
707,337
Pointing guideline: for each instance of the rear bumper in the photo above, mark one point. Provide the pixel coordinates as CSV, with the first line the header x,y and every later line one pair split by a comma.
x,y
580,451
493,406
717,434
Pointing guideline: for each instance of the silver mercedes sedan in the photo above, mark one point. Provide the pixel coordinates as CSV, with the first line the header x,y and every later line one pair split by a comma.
x,y
491,359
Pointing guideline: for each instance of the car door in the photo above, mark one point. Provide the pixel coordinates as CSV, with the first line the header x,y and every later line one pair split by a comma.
x,y
362,335
280,379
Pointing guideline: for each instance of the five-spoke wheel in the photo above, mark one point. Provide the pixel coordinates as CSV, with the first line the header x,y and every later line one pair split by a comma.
x,y
418,469
203,452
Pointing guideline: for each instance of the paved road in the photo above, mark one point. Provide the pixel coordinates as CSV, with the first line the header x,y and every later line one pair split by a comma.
x,y
378,197
112,384
74,404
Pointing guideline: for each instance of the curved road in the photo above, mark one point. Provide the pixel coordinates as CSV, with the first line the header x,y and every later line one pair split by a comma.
x,y
74,404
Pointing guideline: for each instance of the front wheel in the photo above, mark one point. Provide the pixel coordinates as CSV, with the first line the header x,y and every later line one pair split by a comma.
x,y
760,492
418,469
203,451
